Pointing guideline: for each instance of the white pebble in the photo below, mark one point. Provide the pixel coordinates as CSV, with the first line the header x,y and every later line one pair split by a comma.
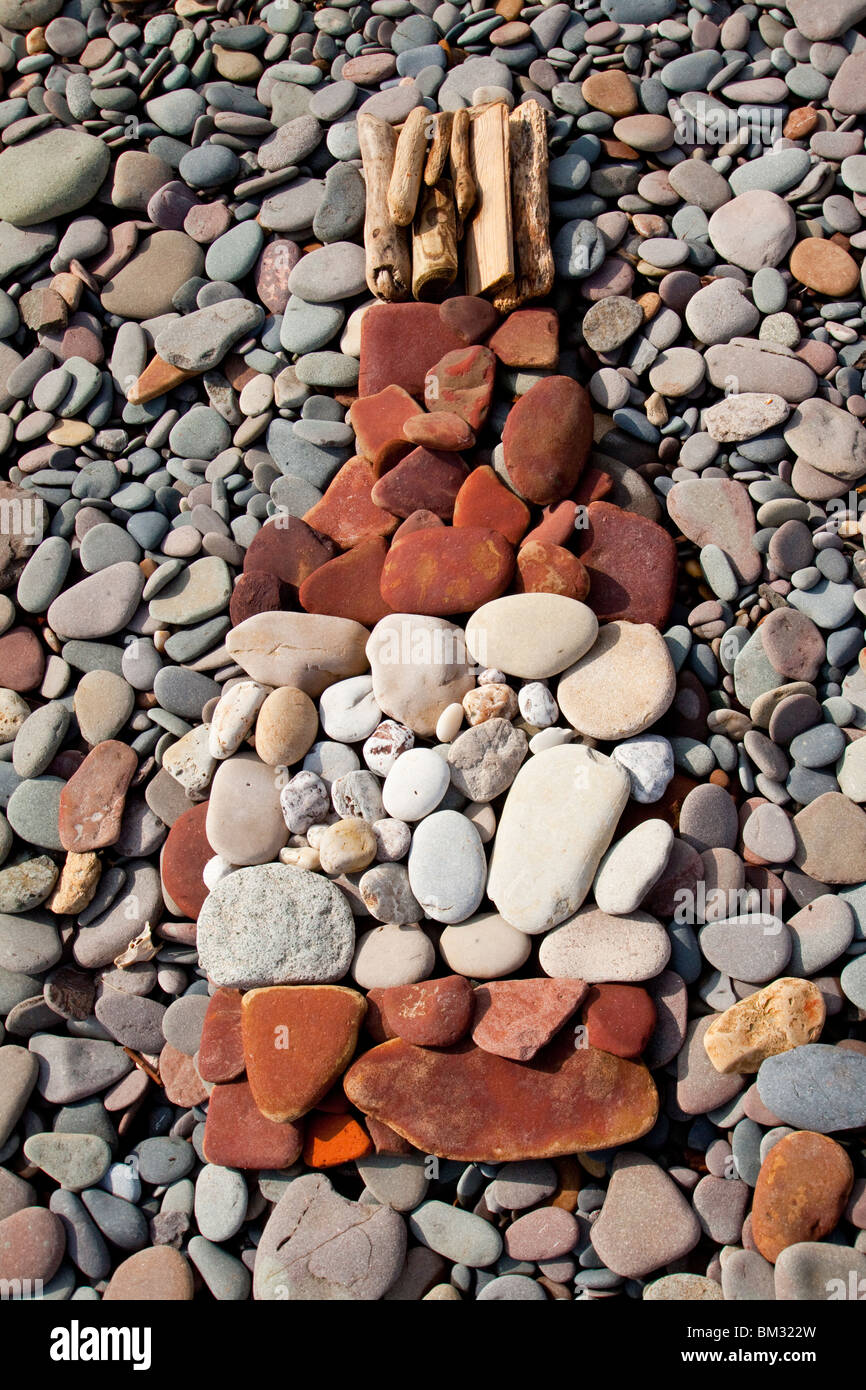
x,y
449,723
537,705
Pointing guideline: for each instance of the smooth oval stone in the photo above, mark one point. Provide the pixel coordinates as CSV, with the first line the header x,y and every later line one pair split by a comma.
x,y
420,666
816,1087
531,635
72,1068
100,605
304,650
557,822
801,1192
631,867
598,947
484,947
646,1221
447,866
75,1161
547,438
50,176
754,947
245,824
753,230
458,1235
816,1270
623,684
469,1104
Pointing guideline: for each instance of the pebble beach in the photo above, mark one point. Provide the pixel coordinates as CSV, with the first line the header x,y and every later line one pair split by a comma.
x,y
433,652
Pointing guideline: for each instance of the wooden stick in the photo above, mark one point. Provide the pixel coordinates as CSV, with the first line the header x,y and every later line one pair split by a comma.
x,y
489,249
434,240
465,191
530,206
440,147
389,268
405,183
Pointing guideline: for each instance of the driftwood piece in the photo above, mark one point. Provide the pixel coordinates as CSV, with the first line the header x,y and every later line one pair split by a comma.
x,y
434,240
389,267
440,148
461,170
405,182
530,207
489,248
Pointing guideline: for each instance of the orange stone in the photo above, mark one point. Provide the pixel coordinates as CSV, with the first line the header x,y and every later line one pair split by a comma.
x,y
378,424
221,1050
426,479
422,520
157,378
184,855
556,524
462,383
543,568
824,267
287,548
334,1139
348,585
157,1274
237,1135
468,1104
527,338
569,1180
180,1080
443,430
443,570
516,1018
484,501
297,1040
547,439
632,564
802,1190
592,486
800,124
93,800
347,513
434,1013
611,92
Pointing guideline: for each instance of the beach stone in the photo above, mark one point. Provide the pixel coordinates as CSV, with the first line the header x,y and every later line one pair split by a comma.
x,y
646,1222
18,1070
630,868
32,1243
134,1022
98,606
445,570
649,761
316,1027
484,947
304,929
753,947
244,819
546,439
484,760
695,1288
392,954
158,1273
184,856
815,1087
434,1013
145,286
237,1135
824,267
600,696
447,866
621,590
70,165
820,932
73,1068
23,659
831,840
801,1192
753,230
75,1161
286,727
516,1018
699,1086
717,511
93,800
828,439
817,1271
220,1050
531,635
792,644
785,1014
420,665
199,341
304,650
595,946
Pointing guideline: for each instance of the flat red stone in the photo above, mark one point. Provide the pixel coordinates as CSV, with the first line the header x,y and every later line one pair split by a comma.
x,y
462,383
619,1019
347,513
255,593
348,585
387,1140
180,1078
547,438
297,1040
378,424
237,1135
221,1050
289,549
515,1018
93,800
446,569
422,520
527,338
434,1013
426,479
468,1104
22,660
399,345
543,568
556,524
484,501
632,564
334,1139
184,855
442,430
592,486
469,316
375,1023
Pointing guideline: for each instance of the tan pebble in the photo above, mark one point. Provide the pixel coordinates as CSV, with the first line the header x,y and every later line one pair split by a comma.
x,y
286,727
483,817
347,847
71,433
490,702
301,857
234,716
785,1014
77,883
656,410
449,723
649,303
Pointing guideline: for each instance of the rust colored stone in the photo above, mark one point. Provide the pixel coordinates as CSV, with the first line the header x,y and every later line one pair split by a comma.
x,y
184,855
632,564
484,501
547,438
592,486
422,520
157,1274
527,338
378,424
297,1040
446,570
619,1019
257,592
468,1104
516,1018
348,585
399,345
237,1135
92,801
462,384
180,1080
802,1190
289,549
824,266
434,1013
442,430
800,124
221,1050
469,317
543,568
157,378
334,1139
22,659
347,513
612,92
556,524
426,479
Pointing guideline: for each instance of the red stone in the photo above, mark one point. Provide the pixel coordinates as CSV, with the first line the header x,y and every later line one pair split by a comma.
x,y
180,1078
399,345
93,800
801,1192
426,479
375,1022
556,524
385,1139
348,585
297,1040
547,438
237,1135
258,592
221,1050
462,383
468,1104
184,855
32,1242
592,486
378,424
347,512
434,1013
447,569
632,564
619,1019
22,660
334,1139
470,317
422,520
271,275
550,569
515,1018
289,549
442,430
527,338
484,501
